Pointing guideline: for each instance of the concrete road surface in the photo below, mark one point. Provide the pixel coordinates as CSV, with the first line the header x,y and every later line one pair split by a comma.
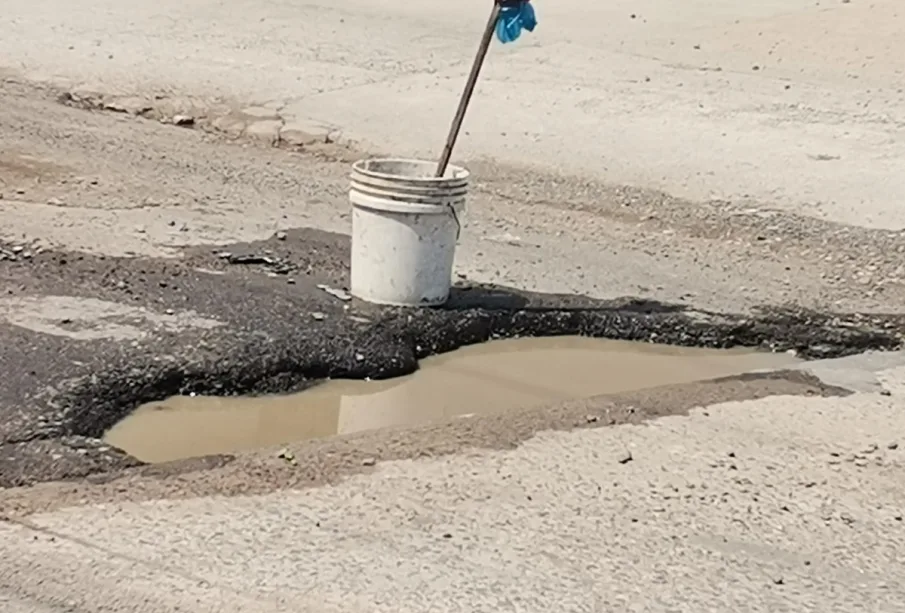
x,y
788,503
790,104
722,154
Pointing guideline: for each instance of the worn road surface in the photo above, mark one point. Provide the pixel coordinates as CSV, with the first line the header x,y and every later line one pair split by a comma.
x,y
787,503
723,157
789,103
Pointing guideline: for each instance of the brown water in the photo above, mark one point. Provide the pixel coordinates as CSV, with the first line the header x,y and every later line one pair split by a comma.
x,y
491,377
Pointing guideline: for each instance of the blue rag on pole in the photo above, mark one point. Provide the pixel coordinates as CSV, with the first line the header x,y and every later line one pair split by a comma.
x,y
513,19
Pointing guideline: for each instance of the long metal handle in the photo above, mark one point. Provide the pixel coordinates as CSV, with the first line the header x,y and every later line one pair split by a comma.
x,y
469,89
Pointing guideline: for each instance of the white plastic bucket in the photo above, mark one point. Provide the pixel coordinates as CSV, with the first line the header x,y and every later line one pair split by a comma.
x,y
405,223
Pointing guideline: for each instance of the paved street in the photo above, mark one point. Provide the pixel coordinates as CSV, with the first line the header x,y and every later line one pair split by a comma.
x,y
786,103
729,157
785,503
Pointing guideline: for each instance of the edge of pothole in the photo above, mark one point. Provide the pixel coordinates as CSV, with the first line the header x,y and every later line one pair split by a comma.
x,y
390,347
324,461
393,345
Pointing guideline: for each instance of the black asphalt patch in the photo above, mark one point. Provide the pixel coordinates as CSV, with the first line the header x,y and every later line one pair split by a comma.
x,y
287,324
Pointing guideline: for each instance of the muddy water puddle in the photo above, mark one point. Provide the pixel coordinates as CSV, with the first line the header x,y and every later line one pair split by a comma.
x,y
491,377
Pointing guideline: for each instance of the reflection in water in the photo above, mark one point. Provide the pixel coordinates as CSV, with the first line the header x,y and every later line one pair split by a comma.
x,y
494,376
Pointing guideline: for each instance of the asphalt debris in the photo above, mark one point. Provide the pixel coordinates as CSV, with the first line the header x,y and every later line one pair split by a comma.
x,y
270,336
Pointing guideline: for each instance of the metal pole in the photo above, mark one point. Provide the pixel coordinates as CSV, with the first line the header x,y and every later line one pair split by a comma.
x,y
469,89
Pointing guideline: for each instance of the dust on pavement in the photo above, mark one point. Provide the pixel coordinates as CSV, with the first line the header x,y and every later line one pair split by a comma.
x,y
125,185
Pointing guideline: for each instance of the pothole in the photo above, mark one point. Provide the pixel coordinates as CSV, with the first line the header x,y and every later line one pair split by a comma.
x,y
484,378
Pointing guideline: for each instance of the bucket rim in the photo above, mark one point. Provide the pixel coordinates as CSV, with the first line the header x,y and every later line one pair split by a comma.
x,y
363,200
459,173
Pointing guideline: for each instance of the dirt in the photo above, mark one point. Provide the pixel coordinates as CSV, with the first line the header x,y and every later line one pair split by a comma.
x,y
127,185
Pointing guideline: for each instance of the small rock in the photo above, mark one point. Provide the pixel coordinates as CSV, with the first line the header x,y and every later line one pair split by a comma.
x,y
359,357
885,393
20,191
285,454
169,311
318,316
130,105
281,236
336,293
591,419
54,202
626,457
248,259
183,120
778,581
892,446
369,462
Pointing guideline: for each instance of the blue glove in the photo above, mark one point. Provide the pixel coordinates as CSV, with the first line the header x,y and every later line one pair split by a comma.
x,y
513,19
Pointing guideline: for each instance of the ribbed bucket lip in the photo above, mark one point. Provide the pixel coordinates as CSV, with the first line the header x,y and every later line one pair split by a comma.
x,y
453,173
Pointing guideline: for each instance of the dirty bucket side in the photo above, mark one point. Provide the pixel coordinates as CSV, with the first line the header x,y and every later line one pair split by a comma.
x,y
404,231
